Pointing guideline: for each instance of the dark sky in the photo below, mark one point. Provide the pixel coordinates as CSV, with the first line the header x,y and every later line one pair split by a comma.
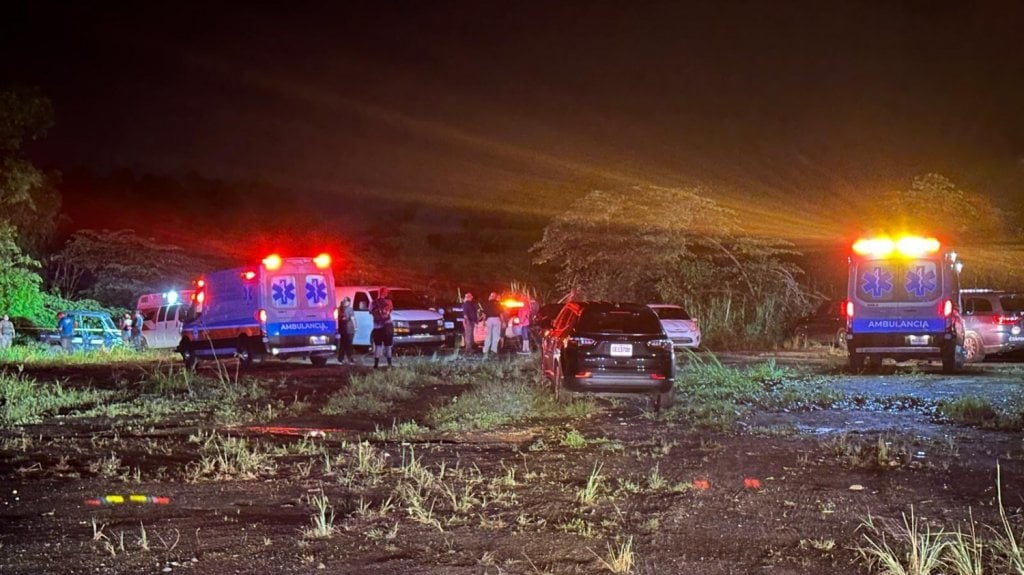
x,y
490,102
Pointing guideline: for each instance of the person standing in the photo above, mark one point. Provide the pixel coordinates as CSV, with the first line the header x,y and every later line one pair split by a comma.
x,y
469,320
6,333
126,328
137,330
492,320
383,335
346,330
66,330
524,325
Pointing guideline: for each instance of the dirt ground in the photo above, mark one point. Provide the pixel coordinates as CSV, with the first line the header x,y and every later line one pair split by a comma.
x,y
781,493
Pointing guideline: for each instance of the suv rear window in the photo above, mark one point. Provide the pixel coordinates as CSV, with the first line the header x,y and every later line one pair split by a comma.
x,y
1012,304
619,321
671,313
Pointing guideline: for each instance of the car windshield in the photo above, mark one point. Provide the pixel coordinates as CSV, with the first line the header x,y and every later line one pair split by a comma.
x,y
1013,304
671,313
406,299
619,321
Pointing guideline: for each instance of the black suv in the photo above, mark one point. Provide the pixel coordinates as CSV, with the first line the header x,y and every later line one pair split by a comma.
x,y
608,347
993,321
827,325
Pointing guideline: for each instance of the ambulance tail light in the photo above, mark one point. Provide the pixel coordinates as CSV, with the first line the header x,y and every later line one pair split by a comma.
x,y
335,314
322,261
947,308
261,316
848,309
201,297
272,262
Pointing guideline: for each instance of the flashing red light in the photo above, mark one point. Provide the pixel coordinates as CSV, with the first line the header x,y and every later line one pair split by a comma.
x,y
200,283
947,308
322,261
272,262
201,297
248,275
849,309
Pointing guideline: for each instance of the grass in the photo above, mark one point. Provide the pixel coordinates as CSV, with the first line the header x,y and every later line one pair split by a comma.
x,y
977,412
376,392
43,355
619,558
24,400
322,519
907,549
226,458
591,489
714,396
573,440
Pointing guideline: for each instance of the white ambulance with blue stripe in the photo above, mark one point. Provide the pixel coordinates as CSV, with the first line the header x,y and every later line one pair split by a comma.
x,y
903,303
283,308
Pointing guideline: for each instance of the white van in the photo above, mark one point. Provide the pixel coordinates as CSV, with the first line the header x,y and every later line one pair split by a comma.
x,y
415,323
163,315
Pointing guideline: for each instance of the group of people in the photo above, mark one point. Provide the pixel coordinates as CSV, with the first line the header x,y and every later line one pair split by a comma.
x,y
131,329
497,321
382,336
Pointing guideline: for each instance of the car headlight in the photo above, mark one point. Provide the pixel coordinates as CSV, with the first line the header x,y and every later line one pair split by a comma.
x,y
402,324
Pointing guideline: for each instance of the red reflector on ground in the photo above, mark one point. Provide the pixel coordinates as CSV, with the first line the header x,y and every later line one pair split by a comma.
x,y
752,483
701,484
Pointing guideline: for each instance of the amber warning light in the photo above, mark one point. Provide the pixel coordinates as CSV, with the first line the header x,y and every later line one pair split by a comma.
x,y
322,261
272,262
907,246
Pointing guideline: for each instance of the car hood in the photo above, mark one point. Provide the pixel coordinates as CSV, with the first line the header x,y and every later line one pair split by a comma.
x,y
414,315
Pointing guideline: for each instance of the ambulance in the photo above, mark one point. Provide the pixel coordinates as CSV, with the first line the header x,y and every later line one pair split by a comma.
x,y
163,314
902,303
282,308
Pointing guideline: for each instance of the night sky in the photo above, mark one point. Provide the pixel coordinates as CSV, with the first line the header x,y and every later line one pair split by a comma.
x,y
799,106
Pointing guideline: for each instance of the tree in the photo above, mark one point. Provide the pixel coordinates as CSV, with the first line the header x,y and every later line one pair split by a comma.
x,y
115,267
936,206
28,200
662,244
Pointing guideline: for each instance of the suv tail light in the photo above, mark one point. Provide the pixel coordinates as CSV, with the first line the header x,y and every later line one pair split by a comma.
x,y
660,344
579,342
1006,320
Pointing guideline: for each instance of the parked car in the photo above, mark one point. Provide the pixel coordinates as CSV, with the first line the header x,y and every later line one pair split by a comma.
x,y
608,347
683,330
993,321
93,330
827,326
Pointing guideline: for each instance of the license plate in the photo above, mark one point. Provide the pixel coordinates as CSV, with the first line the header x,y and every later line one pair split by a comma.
x,y
919,339
622,349
318,340
1016,338
449,325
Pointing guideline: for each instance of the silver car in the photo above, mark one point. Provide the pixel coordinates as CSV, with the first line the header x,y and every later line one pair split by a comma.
x,y
683,330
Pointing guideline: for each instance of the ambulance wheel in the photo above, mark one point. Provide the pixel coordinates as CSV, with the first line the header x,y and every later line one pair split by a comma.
x,y
800,338
318,360
840,340
857,361
949,359
974,351
244,352
188,355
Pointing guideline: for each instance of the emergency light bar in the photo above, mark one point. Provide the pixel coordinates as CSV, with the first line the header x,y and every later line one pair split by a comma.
x,y
512,303
907,246
322,261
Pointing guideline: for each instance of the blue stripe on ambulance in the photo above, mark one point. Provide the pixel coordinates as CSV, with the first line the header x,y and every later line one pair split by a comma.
x,y
881,325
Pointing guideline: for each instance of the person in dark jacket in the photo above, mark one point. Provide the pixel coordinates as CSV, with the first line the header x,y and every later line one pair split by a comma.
x,y
469,319
383,334
346,330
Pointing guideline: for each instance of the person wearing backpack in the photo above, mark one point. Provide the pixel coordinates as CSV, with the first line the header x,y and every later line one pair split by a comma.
x,y
383,334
